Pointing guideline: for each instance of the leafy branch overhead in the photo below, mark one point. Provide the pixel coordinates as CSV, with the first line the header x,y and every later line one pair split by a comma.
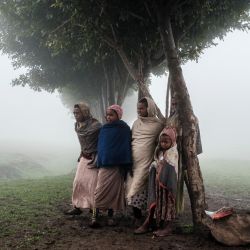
x,y
97,50
67,42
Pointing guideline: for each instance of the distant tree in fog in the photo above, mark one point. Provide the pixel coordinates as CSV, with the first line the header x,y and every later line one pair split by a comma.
x,y
62,40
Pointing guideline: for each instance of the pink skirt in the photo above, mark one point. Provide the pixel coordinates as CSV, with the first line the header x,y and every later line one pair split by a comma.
x,y
84,185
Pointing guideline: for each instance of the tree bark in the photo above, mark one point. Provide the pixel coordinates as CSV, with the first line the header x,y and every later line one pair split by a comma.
x,y
187,120
139,79
123,89
167,96
132,71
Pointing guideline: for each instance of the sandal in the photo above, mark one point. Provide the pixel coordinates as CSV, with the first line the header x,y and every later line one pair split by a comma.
x,y
94,223
74,211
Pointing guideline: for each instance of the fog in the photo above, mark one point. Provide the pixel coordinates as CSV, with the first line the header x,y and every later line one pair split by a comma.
x,y
37,124
219,87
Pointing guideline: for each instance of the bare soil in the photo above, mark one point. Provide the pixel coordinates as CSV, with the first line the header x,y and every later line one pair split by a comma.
x,y
73,232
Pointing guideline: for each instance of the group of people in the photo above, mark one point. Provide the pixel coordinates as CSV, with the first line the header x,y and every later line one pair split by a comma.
x,y
119,167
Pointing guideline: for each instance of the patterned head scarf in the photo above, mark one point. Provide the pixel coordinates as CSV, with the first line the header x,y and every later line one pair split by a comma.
x,y
84,107
117,109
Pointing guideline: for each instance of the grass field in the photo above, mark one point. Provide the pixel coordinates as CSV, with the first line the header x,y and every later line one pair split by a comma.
x,y
28,208
230,178
26,204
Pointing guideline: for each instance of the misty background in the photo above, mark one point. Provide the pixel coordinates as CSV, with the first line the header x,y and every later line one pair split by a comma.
x,y
36,128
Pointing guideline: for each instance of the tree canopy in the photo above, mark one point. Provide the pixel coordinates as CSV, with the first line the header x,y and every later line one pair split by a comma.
x,y
59,41
93,46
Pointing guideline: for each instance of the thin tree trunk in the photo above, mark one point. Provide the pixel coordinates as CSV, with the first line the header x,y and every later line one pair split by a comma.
x,y
167,96
123,90
140,94
187,121
140,82
132,71
102,108
112,92
104,99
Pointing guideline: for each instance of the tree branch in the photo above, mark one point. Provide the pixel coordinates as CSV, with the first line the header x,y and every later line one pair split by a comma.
x,y
61,25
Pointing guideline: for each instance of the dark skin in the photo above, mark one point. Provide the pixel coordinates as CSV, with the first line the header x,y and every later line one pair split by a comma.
x,y
78,115
142,112
165,142
111,116
142,109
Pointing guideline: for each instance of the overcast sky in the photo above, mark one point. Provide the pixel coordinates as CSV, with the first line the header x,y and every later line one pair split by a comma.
x,y
219,86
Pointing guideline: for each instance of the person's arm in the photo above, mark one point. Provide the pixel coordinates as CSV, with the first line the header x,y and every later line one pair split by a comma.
x,y
79,158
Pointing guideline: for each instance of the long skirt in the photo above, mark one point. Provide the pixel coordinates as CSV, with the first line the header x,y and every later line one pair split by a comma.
x,y
84,185
161,193
109,191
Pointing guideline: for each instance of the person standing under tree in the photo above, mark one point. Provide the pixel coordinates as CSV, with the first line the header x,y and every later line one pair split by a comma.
x,y
162,185
114,162
87,129
145,132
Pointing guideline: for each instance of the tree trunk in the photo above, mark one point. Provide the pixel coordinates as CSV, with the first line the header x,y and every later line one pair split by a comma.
x,y
123,89
110,91
187,120
132,71
102,108
139,79
167,96
140,94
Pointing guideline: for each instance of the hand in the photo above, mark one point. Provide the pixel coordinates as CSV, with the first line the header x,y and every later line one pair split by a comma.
x,y
79,158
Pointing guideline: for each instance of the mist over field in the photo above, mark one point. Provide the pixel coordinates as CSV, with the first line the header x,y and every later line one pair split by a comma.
x,y
56,54
38,130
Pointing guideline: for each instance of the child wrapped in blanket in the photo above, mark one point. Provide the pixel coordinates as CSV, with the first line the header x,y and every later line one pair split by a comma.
x,y
162,185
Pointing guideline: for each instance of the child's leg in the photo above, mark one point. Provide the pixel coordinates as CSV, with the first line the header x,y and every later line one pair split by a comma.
x,y
144,228
167,229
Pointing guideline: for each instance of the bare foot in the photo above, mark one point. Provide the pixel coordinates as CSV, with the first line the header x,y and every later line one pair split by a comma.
x,y
74,211
142,229
163,232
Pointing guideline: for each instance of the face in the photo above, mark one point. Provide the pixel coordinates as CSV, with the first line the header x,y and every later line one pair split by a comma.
x,y
165,142
142,109
78,115
111,115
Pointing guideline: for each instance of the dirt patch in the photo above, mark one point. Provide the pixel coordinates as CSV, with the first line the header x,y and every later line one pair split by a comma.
x,y
72,232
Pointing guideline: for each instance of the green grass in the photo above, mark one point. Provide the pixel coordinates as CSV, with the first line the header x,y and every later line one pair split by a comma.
x,y
28,207
231,178
28,204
